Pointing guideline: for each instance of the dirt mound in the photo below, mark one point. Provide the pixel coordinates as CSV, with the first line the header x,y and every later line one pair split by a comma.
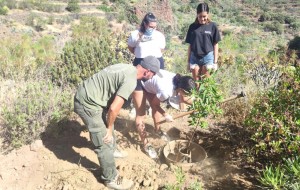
x,y
67,161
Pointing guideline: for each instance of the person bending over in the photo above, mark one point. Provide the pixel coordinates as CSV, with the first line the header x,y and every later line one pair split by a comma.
x,y
98,101
161,89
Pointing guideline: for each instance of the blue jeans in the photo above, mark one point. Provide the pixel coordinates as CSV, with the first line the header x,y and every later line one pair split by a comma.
x,y
95,120
208,59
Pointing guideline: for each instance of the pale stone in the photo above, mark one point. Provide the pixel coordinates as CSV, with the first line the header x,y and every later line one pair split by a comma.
x,y
163,167
36,145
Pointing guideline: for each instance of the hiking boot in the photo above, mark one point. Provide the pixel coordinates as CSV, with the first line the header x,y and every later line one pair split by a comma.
x,y
120,183
149,149
120,154
164,136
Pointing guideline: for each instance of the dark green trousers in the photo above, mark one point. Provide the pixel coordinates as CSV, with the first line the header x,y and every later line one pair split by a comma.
x,y
95,120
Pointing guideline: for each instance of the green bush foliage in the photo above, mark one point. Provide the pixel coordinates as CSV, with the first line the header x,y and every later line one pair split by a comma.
x,y
283,176
105,8
82,58
4,10
37,22
274,26
207,99
73,6
182,183
37,106
92,49
295,43
22,58
295,25
275,118
273,177
41,5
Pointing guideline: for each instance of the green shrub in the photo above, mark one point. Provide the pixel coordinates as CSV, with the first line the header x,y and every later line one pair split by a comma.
x,y
274,26
37,22
73,6
91,27
273,177
292,167
92,49
275,118
283,176
104,8
185,9
4,10
37,106
295,25
23,57
295,43
182,183
207,99
11,4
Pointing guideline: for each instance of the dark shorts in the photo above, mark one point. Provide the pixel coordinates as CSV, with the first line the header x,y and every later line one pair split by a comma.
x,y
137,61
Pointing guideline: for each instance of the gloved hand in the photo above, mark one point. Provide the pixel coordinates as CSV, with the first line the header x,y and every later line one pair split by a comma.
x,y
215,67
169,118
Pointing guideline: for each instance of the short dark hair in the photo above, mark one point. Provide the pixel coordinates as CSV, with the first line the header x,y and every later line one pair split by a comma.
x,y
202,7
149,17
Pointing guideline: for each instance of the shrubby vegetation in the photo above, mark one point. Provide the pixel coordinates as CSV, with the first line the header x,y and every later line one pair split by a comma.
x,y
41,5
181,182
275,118
252,60
73,6
38,105
23,57
91,49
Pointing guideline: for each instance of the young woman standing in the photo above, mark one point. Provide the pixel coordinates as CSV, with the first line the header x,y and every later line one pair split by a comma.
x,y
203,37
145,41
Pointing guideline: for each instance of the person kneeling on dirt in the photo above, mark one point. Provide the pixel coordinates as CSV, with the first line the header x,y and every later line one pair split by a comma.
x,y
160,89
98,101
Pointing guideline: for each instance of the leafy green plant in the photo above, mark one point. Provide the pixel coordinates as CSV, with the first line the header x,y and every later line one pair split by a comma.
x,y
295,43
275,118
295,25
207,99
273,177
73,6
284,176
181,184
23,57
4,10
37,22
274,26
91,50
104,8
37,106
292,167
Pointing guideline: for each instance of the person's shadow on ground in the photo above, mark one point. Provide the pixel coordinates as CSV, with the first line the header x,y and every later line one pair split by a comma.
x,y
62,139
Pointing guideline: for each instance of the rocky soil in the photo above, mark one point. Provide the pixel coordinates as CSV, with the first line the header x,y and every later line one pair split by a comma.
x,y
66,160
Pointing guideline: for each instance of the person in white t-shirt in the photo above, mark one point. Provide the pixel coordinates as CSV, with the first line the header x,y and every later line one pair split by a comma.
x,y
143,42
158,90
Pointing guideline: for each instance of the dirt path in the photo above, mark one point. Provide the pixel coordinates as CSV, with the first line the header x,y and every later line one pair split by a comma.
x,y
68,161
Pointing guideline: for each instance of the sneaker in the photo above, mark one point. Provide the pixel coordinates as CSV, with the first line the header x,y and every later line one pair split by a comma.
x,y
120,183
120,154
164,136
149,149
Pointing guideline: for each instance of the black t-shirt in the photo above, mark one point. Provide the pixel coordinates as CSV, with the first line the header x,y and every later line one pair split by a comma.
x,y
202,38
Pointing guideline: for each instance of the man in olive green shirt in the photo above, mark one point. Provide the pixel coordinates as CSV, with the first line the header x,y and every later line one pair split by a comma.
x,y
98,101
